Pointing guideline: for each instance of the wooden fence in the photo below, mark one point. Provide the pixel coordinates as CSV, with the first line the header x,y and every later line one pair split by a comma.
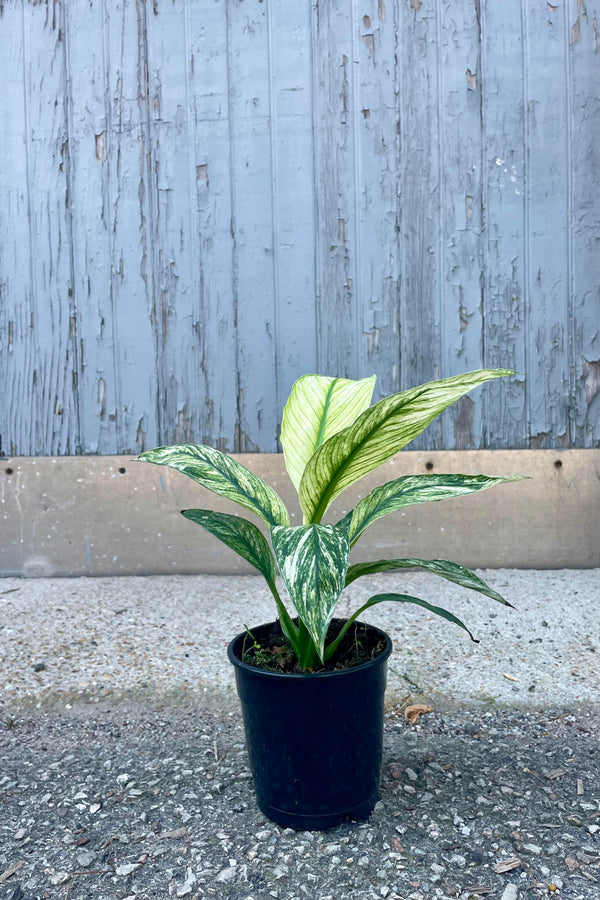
x,y
201,200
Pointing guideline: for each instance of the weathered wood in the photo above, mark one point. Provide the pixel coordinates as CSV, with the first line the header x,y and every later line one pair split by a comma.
x,y
212,220
420,190
461,215
547,189
200,201
503,263
583,58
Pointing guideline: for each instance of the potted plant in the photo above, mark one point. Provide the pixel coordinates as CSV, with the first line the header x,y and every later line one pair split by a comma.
x,y
311,686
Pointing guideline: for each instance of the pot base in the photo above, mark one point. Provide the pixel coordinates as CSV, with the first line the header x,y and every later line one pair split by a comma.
x,y
309,822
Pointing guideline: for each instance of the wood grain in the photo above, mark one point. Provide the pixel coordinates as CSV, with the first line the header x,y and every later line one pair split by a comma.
x,y
201,201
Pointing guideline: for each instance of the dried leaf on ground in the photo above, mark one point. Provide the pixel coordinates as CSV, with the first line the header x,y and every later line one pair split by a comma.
x,y
178,833
412,713
507,865
12,870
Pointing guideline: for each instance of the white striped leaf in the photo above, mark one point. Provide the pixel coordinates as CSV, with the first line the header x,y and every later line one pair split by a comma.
x,y
239,535
224,476
318,407
376,435
451,571
312,560
411,489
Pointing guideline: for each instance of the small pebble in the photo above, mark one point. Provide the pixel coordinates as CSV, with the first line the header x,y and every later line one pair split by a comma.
x,y
86,858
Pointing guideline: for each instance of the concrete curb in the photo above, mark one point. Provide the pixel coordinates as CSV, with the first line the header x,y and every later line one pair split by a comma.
x,y
64,640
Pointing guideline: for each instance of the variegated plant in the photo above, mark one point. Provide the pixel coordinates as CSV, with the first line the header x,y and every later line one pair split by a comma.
x,y
332,437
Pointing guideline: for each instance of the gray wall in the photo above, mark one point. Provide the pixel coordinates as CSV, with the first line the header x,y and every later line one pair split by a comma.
x,y
201,200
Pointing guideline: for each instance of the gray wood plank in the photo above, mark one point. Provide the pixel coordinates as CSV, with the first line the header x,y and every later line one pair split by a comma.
x,y
503,238
173,176
376,191
583,95
546,226
16,278
212,219
91,235
334,87
255,266
422,153
461,215
293,175
47,399
132,205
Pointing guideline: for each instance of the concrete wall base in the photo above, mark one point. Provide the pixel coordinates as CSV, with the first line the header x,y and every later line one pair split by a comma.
x,y
111,515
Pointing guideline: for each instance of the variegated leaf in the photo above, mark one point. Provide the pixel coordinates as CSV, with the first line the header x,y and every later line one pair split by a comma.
x,y
318,407
239,535
312,560
411,489
224,476
451,571
249,542
376,435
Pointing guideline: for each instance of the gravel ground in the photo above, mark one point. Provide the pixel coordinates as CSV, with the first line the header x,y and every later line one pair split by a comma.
x,y
113,802
123,772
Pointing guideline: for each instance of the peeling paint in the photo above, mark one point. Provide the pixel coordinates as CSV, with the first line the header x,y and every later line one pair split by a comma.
x,y
471,80
463,424
369,42
468,207
102,398
591,378
100,142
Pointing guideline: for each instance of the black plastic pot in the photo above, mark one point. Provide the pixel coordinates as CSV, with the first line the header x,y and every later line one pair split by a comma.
x,y
314,740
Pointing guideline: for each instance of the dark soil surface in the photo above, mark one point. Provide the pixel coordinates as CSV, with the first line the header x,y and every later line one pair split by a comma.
x,y
271,650
121,801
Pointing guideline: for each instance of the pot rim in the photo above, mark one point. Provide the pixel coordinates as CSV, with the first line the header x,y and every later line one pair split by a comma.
x,y
303,676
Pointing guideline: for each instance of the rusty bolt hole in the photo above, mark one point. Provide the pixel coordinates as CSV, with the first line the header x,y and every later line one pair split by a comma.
x,y
558,464
122,470
9,471
429,465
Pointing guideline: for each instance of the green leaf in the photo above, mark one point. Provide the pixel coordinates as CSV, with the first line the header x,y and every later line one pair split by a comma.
x,y
376,435
406,598
239,535
224,476
411,489
318,407
312,560
395,598
451,571
249,542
